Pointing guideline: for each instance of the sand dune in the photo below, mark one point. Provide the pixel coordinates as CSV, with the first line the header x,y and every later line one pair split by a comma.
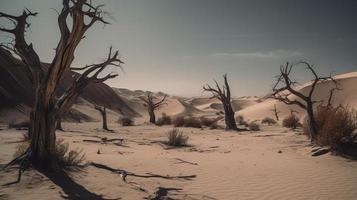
x,y
347,96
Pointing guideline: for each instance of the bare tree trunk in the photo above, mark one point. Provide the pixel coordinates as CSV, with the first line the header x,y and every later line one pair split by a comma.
x,y
311,121
229,117
276,113
103,112
152,116
43,137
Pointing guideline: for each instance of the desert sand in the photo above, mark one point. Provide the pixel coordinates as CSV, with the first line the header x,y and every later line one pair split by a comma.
x,y
274,163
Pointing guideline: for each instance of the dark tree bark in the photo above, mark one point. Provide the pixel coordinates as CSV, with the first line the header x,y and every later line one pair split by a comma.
x,y
284,87
47,107
224,95
152,105
103,112
276,112
59,124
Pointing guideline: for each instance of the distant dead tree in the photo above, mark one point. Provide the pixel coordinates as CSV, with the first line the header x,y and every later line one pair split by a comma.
x,y
103,112
224,95
284,87
80,15
151,104
276,112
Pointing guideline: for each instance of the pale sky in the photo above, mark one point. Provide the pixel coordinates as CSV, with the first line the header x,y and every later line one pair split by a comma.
x,y
176,46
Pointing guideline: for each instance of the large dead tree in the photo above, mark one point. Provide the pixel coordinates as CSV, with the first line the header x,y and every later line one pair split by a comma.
x,y
284,89
152,103
80,15
103,112
224,95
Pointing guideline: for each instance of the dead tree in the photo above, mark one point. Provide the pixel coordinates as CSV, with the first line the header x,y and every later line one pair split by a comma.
x,y
224,95
276,112
80,15
151,105
103,112
284,88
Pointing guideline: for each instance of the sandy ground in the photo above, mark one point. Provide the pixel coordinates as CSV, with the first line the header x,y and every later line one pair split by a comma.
x,y
274,163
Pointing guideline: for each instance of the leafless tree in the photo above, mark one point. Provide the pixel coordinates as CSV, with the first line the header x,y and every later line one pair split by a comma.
x,y
152,105
276,112
80,15
285,87
224,95
103,112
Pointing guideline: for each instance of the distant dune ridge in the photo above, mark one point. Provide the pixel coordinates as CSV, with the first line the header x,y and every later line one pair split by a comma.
x,y
16,95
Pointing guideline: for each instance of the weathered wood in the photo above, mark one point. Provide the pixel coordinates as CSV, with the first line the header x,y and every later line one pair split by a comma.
x,y
151,105
224,95
47,108
284,87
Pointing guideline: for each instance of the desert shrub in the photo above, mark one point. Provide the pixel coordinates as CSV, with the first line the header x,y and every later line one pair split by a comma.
x,y
336,127
269,121
292,121
164,120
240,121
66,158
176,138
179,121
253,126
192,122
19,125
187,122
207,121
126,121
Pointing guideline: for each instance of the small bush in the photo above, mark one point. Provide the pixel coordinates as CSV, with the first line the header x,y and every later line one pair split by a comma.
x,y
192,122
164,120
269,121
177,138
19,125
239,119
126,121
336,127
179,121
292,121
66,158
253,126
207,121
187,122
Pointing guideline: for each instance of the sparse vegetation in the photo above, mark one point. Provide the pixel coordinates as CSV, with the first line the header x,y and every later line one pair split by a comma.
x,y
241,121
207,121
164,120
254,126
292,121
187,122
126,121
269,121
67,159
177,138
336,128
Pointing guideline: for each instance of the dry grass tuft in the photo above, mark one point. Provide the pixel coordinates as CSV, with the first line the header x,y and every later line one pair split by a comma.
x,y
253,126
164,120
187,122
176,138
292,121
67,159
337,128
126,121
269,121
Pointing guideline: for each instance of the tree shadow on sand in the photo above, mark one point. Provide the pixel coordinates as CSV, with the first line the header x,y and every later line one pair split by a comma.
x,y
72,190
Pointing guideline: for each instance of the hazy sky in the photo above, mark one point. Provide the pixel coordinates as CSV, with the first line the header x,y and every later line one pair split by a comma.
x,y
176,46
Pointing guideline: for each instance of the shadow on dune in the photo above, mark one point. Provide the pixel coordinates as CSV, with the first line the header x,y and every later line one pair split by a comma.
x,y
72,190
